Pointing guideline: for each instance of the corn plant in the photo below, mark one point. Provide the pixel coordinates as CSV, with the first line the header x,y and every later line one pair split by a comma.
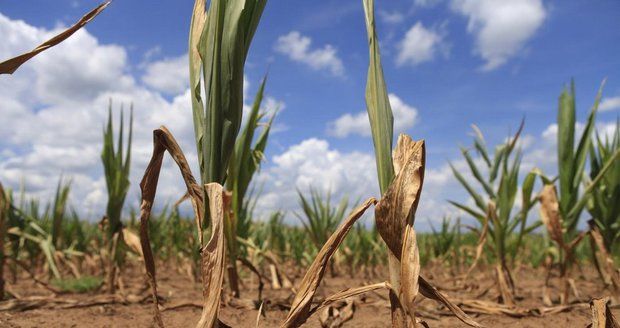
x,y
219,41
561,211
443,239
58,211
81,233
46,234
446,244
297,247
363,251
400,184
116,164
320,219
43,240
271,234
244,163
604,207
494,205
382,128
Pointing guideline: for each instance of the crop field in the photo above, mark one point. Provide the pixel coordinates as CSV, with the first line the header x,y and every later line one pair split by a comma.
x,y
543,251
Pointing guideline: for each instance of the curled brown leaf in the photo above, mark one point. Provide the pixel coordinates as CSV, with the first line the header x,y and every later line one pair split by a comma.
x,y
213,257
550,213
612,272
399,203
163,141
300,309
429,291
351,292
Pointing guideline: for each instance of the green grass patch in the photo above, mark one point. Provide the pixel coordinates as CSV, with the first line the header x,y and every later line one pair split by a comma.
x,y
78,285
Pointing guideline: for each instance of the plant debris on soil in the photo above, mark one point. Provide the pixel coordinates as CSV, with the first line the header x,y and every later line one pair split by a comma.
x,y
181,300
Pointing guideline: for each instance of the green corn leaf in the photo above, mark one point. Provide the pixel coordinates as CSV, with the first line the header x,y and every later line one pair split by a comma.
x,y
500,152
476,173
245,162
378,104
116,167
586,141
480,145
477,198
222,35
479,216
566,140
58,210
578,207
527,188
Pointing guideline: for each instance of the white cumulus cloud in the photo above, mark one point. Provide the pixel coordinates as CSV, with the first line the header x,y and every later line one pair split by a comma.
x,y
426,3
501,28
609,103
313,163
420,45
391,17
170,76
298,48
405,117
55,106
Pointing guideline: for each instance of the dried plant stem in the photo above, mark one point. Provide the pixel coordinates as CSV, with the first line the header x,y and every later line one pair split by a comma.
x,y
112,265
602,317
612,273
505,284
399,318
233,278
214,257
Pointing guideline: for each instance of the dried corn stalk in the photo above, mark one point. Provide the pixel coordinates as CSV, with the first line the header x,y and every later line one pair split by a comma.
x,y
213,257
400,194
552,218
11,65
397,207
601,315
395,215
482,239
612,272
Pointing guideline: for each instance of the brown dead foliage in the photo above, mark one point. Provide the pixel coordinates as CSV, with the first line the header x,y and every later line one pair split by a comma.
x,y
550,213
213,257
11,65
213,254
601,315
300,309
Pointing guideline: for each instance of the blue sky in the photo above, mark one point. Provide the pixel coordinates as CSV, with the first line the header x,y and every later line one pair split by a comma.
x,y
448,64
